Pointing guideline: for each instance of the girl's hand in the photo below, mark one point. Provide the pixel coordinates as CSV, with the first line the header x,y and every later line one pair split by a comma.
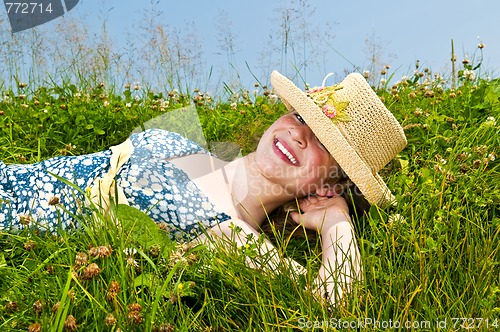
x,y
318,212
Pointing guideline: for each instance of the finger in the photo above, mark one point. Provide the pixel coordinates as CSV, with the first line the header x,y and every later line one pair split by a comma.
x,y
324,198
295,216
314,203
306,202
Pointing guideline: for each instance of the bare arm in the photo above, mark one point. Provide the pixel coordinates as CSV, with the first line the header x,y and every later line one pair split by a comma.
x,y
341,261
239,232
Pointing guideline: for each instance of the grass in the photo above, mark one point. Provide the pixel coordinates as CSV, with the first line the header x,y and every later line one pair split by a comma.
x,y
432,259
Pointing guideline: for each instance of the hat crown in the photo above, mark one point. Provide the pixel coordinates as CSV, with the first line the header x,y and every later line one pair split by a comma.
x,y
374,134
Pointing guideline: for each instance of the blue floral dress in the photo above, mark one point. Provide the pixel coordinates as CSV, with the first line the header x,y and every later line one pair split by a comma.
x,y
150,182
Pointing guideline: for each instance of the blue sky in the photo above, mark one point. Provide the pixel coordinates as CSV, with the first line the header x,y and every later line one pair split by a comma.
x,y
403,30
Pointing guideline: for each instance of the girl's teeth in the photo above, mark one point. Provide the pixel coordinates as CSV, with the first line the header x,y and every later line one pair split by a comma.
x,y
286,153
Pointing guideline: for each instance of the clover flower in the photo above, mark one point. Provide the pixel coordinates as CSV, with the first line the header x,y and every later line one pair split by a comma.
x,y
134,313
91,271
30,245
178,256
396,218
113,290
163,328
70,323
132,262
469,74
11,306
101,251
35,327
81,259
24,219
110,320
491,121
155,250
54,200
273,99
129,251
37,307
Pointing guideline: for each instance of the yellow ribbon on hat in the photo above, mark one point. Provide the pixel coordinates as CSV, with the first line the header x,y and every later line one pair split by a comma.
x,y
324,97
105,188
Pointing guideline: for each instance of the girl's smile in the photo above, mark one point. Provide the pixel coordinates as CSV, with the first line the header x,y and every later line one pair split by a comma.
x,y
285,152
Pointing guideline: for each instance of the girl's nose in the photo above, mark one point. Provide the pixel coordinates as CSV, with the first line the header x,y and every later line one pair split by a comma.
x,y
300,135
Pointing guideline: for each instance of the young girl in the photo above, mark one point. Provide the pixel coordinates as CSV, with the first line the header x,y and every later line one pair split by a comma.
x,y
332,133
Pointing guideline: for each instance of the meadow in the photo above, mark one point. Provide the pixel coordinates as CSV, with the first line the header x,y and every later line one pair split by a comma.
x,y
431,262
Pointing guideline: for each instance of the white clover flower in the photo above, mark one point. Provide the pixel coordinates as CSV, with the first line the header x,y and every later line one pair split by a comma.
x,y
128,105
492,157
273,99
129,251
396,218
491,120
132,262
469,74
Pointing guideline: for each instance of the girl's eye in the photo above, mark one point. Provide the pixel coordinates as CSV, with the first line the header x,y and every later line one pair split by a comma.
x,y
299,118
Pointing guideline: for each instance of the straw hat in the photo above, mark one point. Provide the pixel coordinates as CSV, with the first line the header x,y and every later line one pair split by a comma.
x,y
353,124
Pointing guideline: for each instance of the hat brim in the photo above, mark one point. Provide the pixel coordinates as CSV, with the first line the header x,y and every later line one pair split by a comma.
x,y
368,181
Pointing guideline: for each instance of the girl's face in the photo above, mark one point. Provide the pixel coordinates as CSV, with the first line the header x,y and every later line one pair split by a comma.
x,y
289,154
